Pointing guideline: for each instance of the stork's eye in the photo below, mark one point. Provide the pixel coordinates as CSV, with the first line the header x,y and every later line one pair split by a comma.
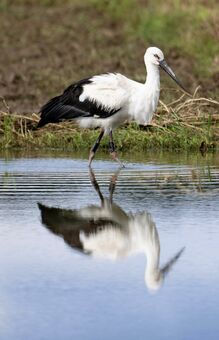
x,y
156,56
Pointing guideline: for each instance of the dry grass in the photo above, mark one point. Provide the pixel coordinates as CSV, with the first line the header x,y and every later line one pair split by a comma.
x,y
183,123
192,112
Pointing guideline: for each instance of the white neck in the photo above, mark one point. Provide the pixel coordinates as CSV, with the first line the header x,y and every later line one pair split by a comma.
x,y
153,257
153,77
143,108
153,278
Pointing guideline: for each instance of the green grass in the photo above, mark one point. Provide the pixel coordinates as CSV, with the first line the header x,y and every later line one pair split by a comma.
x,y
15,133
187,30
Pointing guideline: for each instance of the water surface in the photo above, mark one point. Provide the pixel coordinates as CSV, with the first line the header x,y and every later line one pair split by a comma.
x,y
108,254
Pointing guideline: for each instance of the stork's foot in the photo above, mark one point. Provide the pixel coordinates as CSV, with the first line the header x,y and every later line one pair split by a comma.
x,y
113,154
112,150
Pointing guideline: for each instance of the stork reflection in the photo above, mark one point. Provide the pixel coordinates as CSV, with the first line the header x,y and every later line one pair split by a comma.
x,y
107,231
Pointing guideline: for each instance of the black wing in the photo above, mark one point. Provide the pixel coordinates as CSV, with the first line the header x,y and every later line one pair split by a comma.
x,y
67,106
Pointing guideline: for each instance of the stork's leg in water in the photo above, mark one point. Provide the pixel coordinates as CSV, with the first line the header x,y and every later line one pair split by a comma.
x,y
112,150
95,185
95,146
112,185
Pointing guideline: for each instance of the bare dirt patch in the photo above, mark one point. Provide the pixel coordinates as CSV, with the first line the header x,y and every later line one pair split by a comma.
x,y
43,49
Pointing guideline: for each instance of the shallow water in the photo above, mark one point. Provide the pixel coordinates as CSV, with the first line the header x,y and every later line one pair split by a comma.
x,y
107,254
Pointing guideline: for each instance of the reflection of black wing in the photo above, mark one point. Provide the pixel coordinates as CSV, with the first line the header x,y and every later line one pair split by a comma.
x,y
69,223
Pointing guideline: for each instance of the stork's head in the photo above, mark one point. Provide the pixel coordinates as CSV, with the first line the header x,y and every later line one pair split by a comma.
x,y
154,56
154,280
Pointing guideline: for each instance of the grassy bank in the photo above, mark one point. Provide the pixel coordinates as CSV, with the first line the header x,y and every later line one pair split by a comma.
x,y
183,124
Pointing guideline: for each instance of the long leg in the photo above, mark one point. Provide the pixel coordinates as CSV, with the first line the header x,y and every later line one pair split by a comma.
x,y
112,149
112,185
95,185
95,146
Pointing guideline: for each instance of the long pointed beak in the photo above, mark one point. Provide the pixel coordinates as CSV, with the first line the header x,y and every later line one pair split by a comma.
x,y
169,265
163,64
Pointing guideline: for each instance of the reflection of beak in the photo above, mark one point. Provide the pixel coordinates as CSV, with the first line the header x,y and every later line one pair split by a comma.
x,y
169,265
163,64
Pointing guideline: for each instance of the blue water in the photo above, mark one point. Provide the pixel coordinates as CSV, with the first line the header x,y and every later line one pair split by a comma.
x,y
69,274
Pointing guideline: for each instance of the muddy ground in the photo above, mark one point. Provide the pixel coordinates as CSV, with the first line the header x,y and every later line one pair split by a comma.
x,y
45,48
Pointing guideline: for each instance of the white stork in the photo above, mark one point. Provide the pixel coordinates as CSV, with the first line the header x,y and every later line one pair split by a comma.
x,y
107,231
108,100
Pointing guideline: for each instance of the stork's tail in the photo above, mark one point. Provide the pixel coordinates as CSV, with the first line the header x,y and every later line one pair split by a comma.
x,y
50,112
56,111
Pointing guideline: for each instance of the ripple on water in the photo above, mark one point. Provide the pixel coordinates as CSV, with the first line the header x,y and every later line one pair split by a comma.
x,y
60,262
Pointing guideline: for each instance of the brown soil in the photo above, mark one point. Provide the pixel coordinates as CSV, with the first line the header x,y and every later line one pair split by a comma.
x,y
45,48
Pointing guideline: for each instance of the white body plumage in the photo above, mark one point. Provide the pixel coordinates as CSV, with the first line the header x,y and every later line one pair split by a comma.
x,y
124,235
136,101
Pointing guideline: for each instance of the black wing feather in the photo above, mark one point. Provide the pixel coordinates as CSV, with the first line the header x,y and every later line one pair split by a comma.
x,y
67,106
